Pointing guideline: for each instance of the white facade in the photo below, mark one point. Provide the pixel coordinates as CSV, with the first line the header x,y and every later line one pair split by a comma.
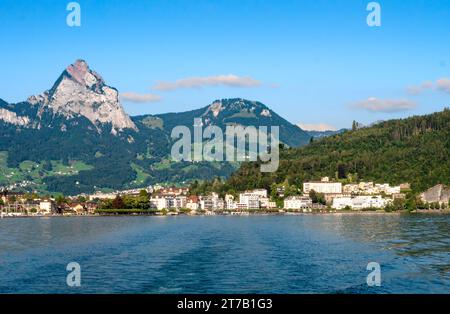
x,y
360,202
206,203
259,192
158,202
342,202
168,202
192,205
323,187
46,207
248,201
230,204
297,202
369,188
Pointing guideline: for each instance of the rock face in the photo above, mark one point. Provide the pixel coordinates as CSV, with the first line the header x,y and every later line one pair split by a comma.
x,y
81,91
12,118
437,194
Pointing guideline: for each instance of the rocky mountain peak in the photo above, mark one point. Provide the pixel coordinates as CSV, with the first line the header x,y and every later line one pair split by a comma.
x,y
80,91
80,72
234,106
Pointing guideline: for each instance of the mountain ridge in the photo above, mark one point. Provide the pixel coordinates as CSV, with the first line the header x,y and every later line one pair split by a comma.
x,y
60,141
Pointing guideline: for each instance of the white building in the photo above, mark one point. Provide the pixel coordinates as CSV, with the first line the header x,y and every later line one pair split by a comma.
x,y
254,199
168,202
206,203
46,207
103,196
360,202
387,189
352,188
249,200
259,192
297,202
193,203
218,203
323,187
158,202
230,204
342,202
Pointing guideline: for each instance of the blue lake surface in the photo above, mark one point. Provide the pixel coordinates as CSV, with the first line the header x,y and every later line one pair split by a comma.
x,y
226,254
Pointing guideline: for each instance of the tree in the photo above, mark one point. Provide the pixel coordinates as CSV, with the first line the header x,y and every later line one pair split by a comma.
x,y
317,198
60,199
411,204
143,193
398,204
118,203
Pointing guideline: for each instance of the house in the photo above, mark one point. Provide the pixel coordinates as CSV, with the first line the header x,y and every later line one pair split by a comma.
x,y
47,207
81,208
78,208
297,202
193,203
6,196
173,191
103,196
351,188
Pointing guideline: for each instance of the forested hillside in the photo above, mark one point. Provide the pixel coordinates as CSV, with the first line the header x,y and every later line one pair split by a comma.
x,y
414,150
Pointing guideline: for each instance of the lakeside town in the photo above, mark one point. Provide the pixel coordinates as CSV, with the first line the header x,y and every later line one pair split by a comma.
x,y
322,196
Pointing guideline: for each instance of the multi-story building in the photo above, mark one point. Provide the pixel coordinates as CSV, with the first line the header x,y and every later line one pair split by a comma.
x,y
158,202
230,204
297,202
206,203
360,202
249,200
323,187
193,203
168,202
47,207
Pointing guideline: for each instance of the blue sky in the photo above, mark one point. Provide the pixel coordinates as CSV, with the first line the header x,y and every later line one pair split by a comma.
x,y
310,61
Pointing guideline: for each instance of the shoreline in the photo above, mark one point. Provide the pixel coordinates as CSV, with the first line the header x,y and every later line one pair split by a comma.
x,y
243,214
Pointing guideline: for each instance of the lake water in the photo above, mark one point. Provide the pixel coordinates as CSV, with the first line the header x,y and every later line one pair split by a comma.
x,y
220,254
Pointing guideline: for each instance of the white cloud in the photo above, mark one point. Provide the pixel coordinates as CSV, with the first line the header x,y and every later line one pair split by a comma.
x,y
316,127
416,90
199,82
139,98
384,105
443,84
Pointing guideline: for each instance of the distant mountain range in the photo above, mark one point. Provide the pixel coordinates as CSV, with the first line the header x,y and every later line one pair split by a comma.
x,y
76,137
319,134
